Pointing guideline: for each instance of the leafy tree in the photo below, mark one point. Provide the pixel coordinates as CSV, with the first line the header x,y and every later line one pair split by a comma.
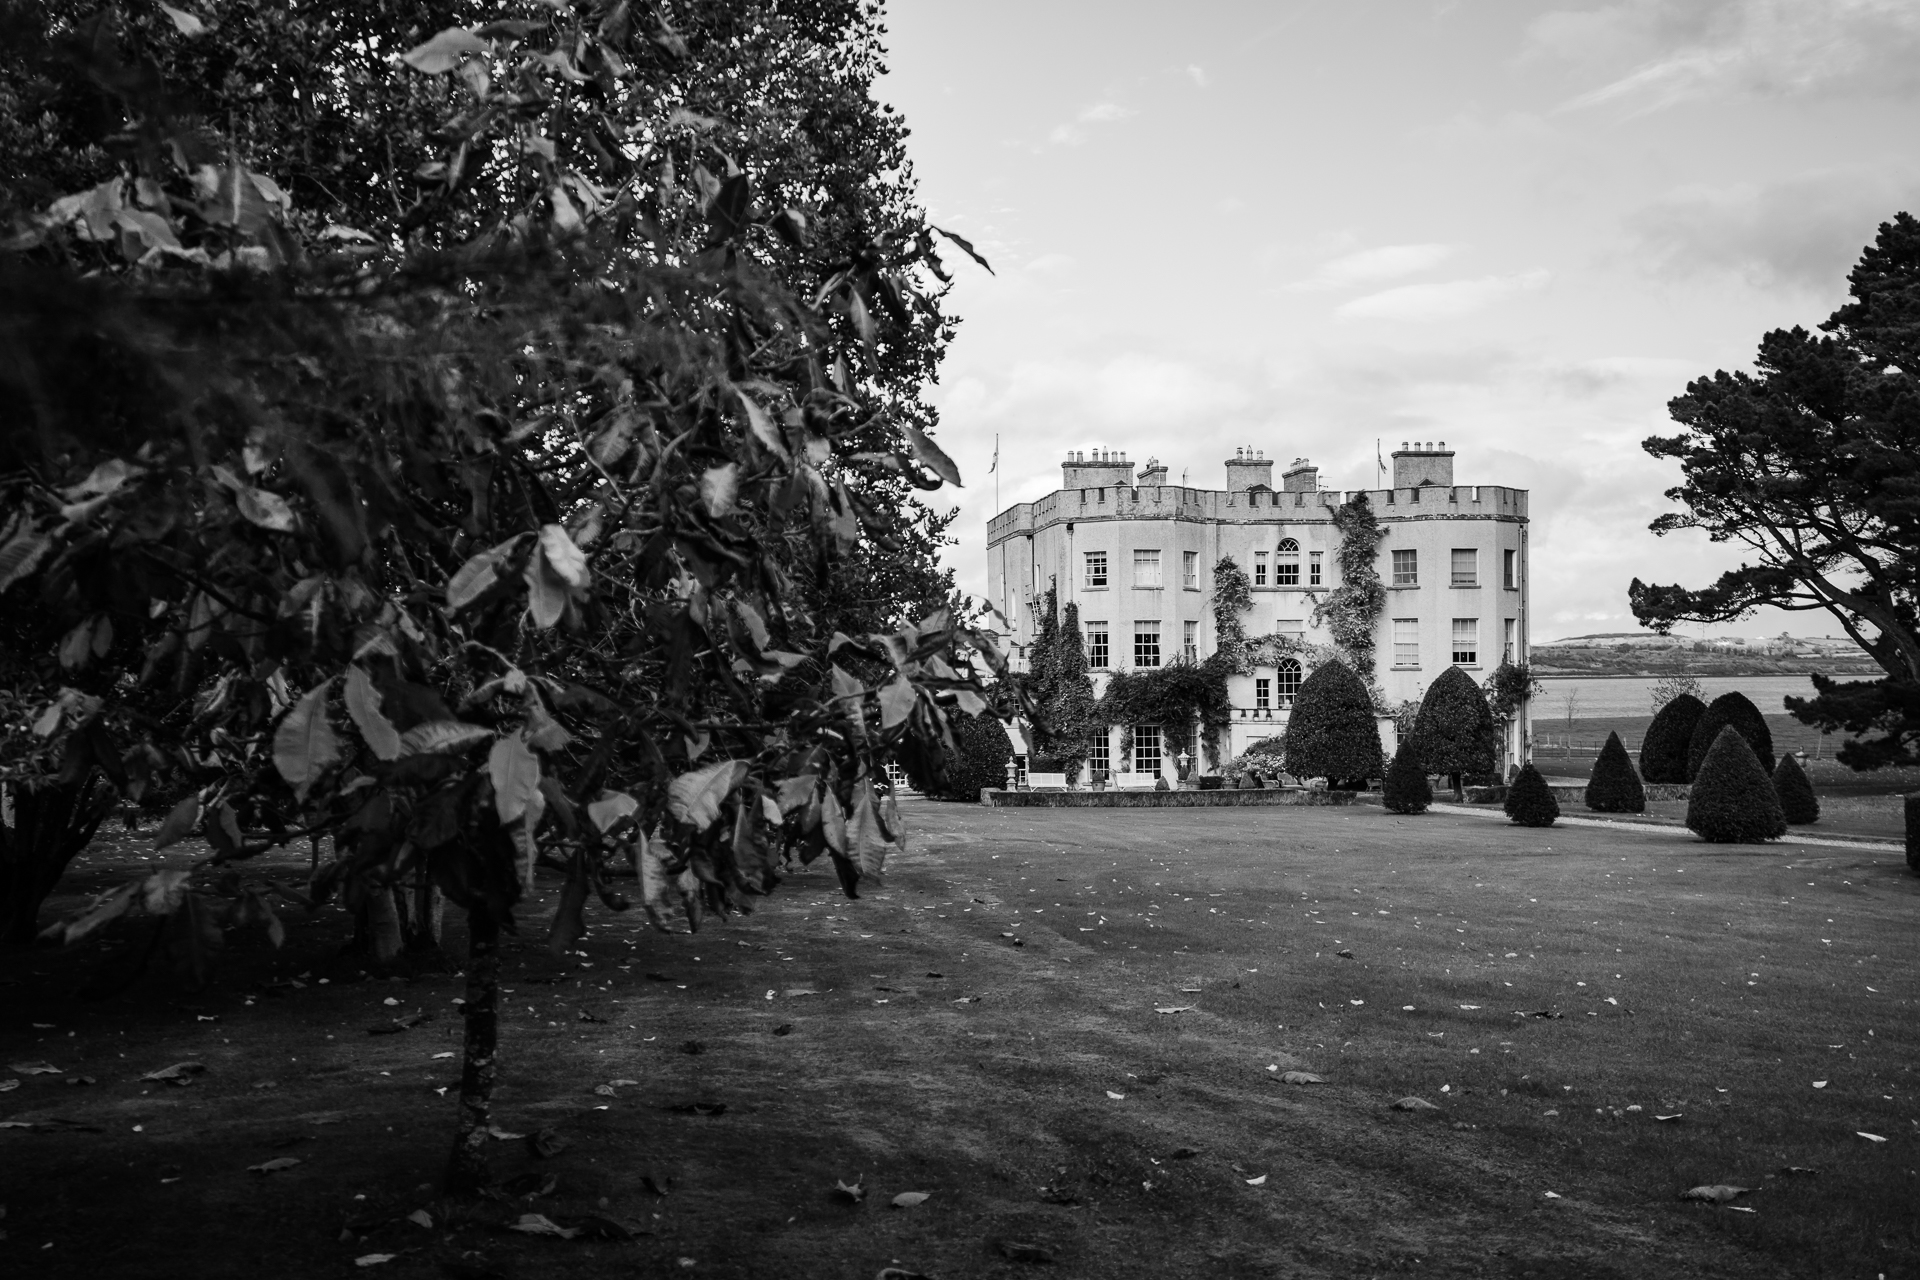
x,y
1614,787
1669,687
1454,733
1737,710
1332,732
1266,757
1798,804
1530,801
484,549
1733,800
1406,789
1812,462
1663,751
978,758
1073,713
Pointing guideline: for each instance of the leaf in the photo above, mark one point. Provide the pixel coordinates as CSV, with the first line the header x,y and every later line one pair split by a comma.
x,y
544,733
538,1224
363,708
695,798
374,1259
896,702
546,594
1176,1008
36,1069
21,554
1117,1097
854,1192
443,52
179,1071
76,647
1020,1251
304,746
264,508
1719,1193
437,737
611,809
568,562
1260,1181
718,488
515,772
931,455
908,1199
1414,1104
472,579
186,23
966,247
761,424
278,1165
566,218
1870,1137
1301,1077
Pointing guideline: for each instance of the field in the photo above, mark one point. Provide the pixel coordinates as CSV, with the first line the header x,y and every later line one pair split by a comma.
x,y
1070,1029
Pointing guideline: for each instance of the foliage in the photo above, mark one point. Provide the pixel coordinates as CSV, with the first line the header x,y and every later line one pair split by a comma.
x,y
47,822
1734,709
1911,809
502,537
1332,732
1669,687
1530,801
1266,757
1813,463
1351,612
1614,786
1232,597
1508,685
1663,751
1733,800
1798,804
1173,697
978,758
1406,789
1454,731
1059,686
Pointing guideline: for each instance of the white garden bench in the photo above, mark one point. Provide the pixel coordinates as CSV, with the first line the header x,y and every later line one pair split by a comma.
x,y
1038,781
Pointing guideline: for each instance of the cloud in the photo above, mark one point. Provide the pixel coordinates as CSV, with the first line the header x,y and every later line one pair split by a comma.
x,y
1370,266
1198,74
1074,132
1800,233
1442,301
1679,50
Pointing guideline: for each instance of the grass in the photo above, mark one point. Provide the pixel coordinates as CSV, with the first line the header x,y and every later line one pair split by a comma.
x,y
1717,983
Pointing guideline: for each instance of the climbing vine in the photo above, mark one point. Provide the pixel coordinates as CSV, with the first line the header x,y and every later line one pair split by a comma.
x,y
1508,685
1173,697
1232,596
1351,612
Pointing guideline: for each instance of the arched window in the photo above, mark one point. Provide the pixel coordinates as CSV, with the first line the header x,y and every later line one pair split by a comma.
x,y
1286,565
1289,672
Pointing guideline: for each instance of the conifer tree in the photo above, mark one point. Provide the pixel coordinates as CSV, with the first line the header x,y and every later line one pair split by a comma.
x,y
1530,801
1798,803
1614,786
1733,800
1734,709
1454,731
1407,788
1332,732
1663,752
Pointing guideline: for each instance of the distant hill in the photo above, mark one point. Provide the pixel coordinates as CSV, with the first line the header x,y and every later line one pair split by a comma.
x,y
1638,660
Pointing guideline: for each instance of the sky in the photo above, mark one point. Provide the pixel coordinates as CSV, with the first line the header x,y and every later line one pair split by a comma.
x,y
1301,227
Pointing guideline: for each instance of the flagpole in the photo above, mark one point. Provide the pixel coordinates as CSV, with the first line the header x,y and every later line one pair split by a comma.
x,y
996,473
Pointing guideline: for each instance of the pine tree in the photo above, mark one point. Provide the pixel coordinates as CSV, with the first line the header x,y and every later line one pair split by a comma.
x,y
1407,788
1798,803
1530,801
1733,800
1073,713
1454,731
1737,710
1663,752
1614,786
1331,732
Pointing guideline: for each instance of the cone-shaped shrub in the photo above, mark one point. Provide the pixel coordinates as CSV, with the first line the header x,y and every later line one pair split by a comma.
x,y
1736,710
1530,800
1454,731
1614,786
1798,804
981,760
1331,732
1663,752
1407,789
1733,800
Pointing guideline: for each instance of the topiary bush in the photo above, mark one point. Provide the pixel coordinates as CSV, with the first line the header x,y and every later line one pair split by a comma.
x,y
1332,732
1407,789
1454,731
1736,710
980,761
1798,804
1530,800
1663,752
1614,786
1733,800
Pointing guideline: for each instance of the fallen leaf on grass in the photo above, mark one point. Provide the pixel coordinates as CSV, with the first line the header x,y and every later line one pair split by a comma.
x,y
1411,1103
47,1069
968,1000
784,1029
1538,1013
447,1054
1344,955
1796,1171
179,1073
279,1164
1175,1008
498,1134
1059,1195
1675,1116
1472,1006
1301,1077
1017,1251
531,1184
1260,1181
1870,1137
853,1194
421,1218
700,1108
548,1143
8,1085
1552,1195
588,1017
793,993
657,1183
1718,1193
1117,1097
539,1224
1740,1208
908,1199
374,1259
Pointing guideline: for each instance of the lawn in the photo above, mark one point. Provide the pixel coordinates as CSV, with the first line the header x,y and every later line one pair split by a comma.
x,y
985,1028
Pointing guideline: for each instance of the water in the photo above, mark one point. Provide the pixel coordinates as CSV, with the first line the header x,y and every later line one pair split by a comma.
x,y
1602,696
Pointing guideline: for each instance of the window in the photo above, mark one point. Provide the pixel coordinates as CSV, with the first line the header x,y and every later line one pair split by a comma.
x,y
1146,644
1506,652
1466,567
1262,693
1406,641
1286,564
1146,568
1466,642
1509,570
1103,496
1098,655
1096,568
1190,570
1406,568
1313,568
1098,758
1146,749
1289,680
1259,568
1190,641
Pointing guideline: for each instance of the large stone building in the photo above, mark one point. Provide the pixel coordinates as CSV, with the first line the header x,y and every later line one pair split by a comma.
x,y
1137,555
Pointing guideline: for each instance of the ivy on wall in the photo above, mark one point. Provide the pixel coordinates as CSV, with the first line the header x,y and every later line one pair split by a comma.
x,y
1173,697
1232,596
1507,687
1351,612
1061,689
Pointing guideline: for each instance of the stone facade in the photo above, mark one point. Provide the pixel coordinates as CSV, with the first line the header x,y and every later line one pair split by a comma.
x,y
1137,555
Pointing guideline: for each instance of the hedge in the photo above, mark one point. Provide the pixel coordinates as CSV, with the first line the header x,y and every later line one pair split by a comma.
x,y
1733,800
1663,752
1737,710
1614,787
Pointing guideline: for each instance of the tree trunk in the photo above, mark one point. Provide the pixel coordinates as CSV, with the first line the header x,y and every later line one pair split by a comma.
x,y
467,1172
1459,793
42,827
425,915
